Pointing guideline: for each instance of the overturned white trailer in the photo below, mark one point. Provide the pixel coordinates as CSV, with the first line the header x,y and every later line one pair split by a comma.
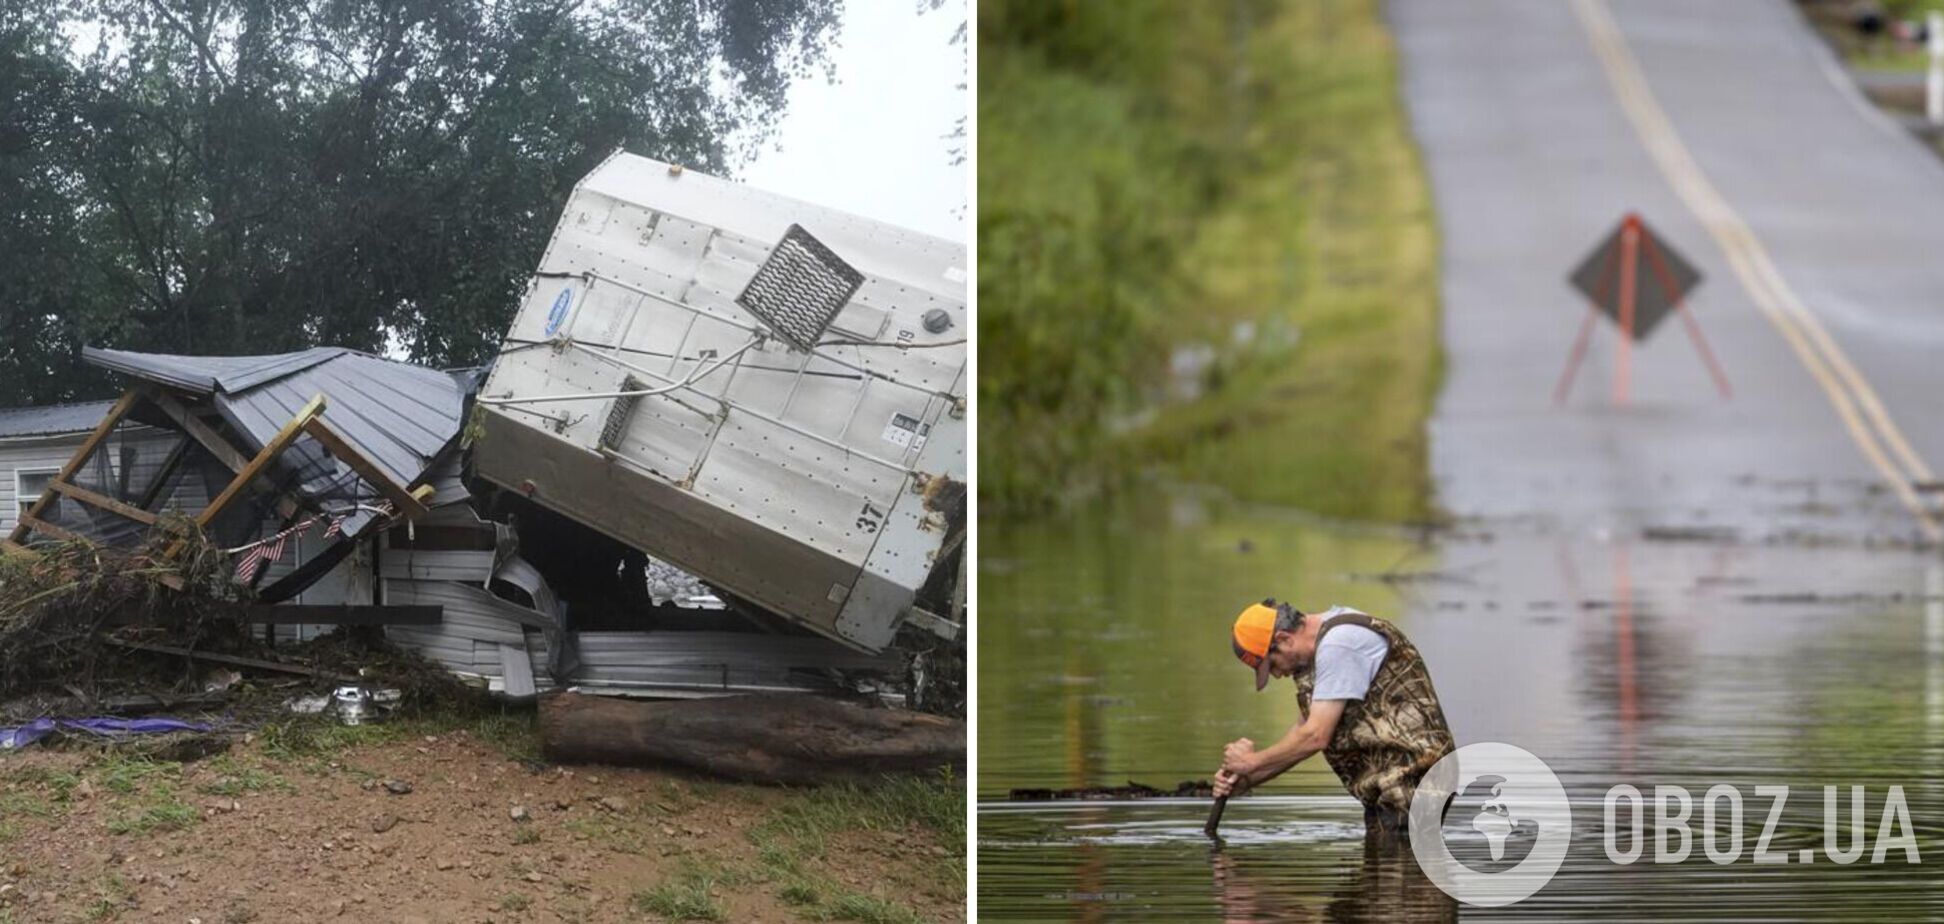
x,y
769,394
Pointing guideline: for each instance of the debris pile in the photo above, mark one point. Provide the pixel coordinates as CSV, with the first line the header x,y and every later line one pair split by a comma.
x,y
62,608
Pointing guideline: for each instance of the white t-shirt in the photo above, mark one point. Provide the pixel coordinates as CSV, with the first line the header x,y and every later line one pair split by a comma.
x,y
1347,659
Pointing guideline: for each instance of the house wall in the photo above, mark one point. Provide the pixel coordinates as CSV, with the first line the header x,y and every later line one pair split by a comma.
x,y
29,455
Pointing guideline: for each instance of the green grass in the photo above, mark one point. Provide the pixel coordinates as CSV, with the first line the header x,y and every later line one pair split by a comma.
x,y
934,802
234,778
685,898
158,810
797,832
800,894
870,909
126,774
1155,176
111,898
514,901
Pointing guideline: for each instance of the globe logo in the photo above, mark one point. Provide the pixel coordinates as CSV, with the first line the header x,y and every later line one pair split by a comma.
x,y
1505,836
1490,824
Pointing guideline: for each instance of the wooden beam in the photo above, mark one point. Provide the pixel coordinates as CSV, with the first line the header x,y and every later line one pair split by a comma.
x,y
88,446
103,502
256,466
44,527
210,440
409,503
194,426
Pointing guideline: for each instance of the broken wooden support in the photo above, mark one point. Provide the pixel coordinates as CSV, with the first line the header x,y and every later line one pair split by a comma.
x,y
410,504
782,738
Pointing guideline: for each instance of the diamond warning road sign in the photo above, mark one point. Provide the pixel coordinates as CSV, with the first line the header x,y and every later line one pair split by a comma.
x,y
1636,281
1645,272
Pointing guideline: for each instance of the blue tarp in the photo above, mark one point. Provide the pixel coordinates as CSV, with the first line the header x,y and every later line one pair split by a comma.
x,y
23,735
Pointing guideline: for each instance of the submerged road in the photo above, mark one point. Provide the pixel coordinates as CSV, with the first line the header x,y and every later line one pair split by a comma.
x,y
1816,225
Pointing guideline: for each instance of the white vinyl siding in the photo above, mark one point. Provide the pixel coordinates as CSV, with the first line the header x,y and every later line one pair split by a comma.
x,y
22,462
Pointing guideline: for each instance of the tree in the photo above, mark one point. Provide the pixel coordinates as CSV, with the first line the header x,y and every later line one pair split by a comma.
x,y
250,176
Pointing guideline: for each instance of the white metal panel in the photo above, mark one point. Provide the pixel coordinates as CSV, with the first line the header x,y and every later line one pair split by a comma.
x,y
472,567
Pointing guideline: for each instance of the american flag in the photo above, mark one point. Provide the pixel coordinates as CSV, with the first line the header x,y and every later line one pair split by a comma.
x,y
246,567
271,549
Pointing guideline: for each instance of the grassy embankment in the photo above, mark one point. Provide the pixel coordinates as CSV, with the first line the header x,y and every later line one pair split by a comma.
x,y
1163,178
1835,21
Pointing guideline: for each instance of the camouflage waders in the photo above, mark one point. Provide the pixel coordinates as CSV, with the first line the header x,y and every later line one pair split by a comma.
x,y
1387,741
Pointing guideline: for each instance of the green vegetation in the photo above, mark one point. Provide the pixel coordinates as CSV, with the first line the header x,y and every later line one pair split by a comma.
x,y
235,778
112,896
1233,181
158,809
685,898
1879,52
260,176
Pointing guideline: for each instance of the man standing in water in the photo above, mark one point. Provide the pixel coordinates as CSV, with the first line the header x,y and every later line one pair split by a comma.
x,y
1367,705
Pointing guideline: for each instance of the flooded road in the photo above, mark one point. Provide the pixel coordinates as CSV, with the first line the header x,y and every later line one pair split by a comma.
x,y
1690,659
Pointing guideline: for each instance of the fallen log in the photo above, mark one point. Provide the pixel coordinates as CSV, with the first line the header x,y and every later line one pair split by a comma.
x,y
781,738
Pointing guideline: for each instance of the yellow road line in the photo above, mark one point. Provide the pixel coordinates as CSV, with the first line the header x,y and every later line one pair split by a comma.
x,y
1863,413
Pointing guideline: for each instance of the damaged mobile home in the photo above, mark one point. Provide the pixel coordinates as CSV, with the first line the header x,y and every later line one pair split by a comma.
x,y
721,450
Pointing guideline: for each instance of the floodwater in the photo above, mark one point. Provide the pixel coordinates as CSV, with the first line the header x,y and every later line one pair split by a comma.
x,y
1690,661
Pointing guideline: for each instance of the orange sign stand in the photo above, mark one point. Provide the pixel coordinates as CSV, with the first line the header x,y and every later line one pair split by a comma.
x,y
1636,281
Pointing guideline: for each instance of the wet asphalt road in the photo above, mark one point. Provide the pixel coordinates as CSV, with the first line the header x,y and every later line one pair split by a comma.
x,y
1533,158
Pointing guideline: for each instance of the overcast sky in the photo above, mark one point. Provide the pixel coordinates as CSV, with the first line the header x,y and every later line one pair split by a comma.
x,y
874,142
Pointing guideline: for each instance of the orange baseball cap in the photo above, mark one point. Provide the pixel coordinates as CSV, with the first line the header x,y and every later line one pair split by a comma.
x,y
1255,630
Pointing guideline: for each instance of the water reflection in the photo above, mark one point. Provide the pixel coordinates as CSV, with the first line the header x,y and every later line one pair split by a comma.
x,y
1103,661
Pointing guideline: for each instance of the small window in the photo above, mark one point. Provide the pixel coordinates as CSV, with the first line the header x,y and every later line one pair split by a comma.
x,y
29,484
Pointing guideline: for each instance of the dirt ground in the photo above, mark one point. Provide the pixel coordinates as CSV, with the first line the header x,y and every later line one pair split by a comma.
x,y
454,821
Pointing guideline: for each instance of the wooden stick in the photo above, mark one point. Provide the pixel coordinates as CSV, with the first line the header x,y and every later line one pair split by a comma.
x,y
1213,828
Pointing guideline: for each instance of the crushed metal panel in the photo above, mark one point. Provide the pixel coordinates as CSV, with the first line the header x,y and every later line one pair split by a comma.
x,y
516,671
715,663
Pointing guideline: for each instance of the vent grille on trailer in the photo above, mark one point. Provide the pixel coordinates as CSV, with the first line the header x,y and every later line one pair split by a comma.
x,y
618,414
800,289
